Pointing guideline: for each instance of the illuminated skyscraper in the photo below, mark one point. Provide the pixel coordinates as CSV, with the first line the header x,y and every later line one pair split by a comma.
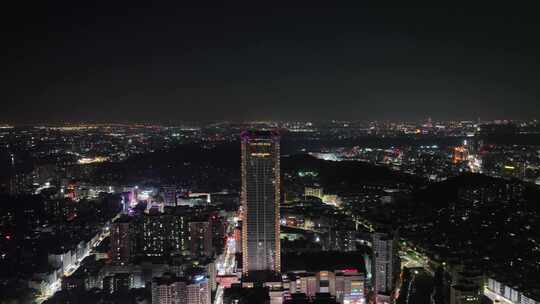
x,y
260,201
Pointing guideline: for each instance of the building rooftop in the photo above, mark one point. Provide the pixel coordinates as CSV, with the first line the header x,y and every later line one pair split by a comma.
x,y
259,134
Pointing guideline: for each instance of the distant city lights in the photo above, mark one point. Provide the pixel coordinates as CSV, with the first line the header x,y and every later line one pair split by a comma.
x,y
92,160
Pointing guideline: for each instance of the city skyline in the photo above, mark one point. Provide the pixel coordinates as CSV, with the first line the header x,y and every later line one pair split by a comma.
x,y
261,123
133,212
225,153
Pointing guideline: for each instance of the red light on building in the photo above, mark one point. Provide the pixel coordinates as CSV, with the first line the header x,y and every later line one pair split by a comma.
x,y
349,270
227,280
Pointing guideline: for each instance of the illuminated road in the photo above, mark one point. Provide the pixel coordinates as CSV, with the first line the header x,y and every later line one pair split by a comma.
x,y
302,228
226,263
495,297
219,295
56,285
417,287
411,282
361,222
411,258
50,291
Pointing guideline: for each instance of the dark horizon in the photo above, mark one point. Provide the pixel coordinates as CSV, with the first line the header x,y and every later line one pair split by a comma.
x,y
73,62
201,123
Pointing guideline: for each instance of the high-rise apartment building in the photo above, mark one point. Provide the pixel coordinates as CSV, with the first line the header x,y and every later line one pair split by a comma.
x,y
200,238
386,265
169,289
260,197
122,239
198,291
164,234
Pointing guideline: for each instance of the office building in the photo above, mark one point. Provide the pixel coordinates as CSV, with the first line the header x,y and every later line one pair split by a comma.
x,y
345,286
349,288
260,197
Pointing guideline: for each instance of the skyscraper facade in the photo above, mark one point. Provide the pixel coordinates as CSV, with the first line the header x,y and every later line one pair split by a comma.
x,y
260,197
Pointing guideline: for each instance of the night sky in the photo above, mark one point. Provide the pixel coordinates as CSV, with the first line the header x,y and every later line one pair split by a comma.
x,y
120,62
